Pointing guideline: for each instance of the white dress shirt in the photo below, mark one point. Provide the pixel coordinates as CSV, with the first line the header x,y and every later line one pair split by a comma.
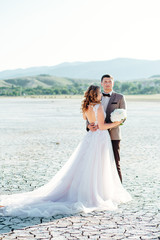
x,y
105,101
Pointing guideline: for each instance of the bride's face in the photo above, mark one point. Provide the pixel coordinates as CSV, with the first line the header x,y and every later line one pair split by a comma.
x,y
99,96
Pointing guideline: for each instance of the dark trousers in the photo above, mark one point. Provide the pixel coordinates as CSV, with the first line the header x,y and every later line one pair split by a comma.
x,y
116,151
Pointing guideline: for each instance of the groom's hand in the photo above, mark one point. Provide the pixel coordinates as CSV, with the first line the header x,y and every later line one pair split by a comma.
x,y
92,127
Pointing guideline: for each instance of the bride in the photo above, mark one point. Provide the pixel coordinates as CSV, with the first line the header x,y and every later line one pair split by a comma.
x,y
88,181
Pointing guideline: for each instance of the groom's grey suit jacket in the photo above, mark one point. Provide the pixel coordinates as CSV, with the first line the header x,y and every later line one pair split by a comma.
x,y
117,100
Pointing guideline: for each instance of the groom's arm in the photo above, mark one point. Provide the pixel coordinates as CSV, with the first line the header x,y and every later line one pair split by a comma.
x,y
122,103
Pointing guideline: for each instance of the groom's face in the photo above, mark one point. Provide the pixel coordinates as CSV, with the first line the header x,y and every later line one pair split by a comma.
x,y
107,84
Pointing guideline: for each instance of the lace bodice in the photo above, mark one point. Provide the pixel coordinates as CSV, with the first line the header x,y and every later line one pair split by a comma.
x,y
95,108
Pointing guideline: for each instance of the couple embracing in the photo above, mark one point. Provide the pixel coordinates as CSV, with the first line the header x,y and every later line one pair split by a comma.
x,y
91,178
111,101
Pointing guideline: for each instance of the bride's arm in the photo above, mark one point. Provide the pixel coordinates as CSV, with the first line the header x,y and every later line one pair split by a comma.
x,y
100,117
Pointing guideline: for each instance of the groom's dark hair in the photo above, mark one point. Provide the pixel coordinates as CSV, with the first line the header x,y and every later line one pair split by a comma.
x,y
106,76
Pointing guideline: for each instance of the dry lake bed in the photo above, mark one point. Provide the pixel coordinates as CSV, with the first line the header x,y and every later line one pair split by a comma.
x,y
37,136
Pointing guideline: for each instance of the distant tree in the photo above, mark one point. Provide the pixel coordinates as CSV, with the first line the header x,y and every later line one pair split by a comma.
x,y
56,91
125,87
44,75
117,86
64,91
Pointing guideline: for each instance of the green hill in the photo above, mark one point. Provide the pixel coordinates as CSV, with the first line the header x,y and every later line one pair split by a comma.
x,y
45,84
43,80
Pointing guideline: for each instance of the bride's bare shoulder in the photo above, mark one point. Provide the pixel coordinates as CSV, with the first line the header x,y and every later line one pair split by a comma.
x,y
90,107
84,116
100,107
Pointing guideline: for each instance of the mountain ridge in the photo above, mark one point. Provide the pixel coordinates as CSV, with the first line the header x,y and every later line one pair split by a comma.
x,y
120,68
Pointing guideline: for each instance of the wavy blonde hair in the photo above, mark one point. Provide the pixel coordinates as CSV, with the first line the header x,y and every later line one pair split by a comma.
x,y
90,97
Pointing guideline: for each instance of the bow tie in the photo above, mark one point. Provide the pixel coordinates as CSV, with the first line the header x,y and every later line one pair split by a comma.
x,y
106,94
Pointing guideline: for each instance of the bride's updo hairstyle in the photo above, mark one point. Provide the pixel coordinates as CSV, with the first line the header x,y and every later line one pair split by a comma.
x,y
90,97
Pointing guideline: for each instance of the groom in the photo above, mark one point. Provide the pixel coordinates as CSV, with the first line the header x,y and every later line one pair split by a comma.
x,y
110,101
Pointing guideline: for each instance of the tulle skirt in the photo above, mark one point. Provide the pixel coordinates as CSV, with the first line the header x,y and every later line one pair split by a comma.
x,y
88,181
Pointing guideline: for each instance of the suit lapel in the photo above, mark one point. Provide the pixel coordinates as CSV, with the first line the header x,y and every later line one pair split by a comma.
x,y
109,106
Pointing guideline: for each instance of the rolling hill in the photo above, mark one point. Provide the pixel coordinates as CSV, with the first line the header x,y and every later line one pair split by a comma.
x,y
42,80
45,84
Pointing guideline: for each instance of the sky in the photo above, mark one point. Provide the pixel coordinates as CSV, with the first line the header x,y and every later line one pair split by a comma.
x,y
49,32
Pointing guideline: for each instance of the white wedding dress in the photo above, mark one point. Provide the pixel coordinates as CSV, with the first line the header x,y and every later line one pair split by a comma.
x,y
88,181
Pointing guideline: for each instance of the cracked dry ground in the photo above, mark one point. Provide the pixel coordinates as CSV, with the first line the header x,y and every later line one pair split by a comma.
x,y
124,224
36,147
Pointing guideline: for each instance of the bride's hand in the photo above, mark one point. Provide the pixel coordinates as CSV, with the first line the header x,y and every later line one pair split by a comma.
x,y
119,122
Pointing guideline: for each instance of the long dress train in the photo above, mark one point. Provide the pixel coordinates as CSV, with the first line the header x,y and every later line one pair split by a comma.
x,y
88,181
